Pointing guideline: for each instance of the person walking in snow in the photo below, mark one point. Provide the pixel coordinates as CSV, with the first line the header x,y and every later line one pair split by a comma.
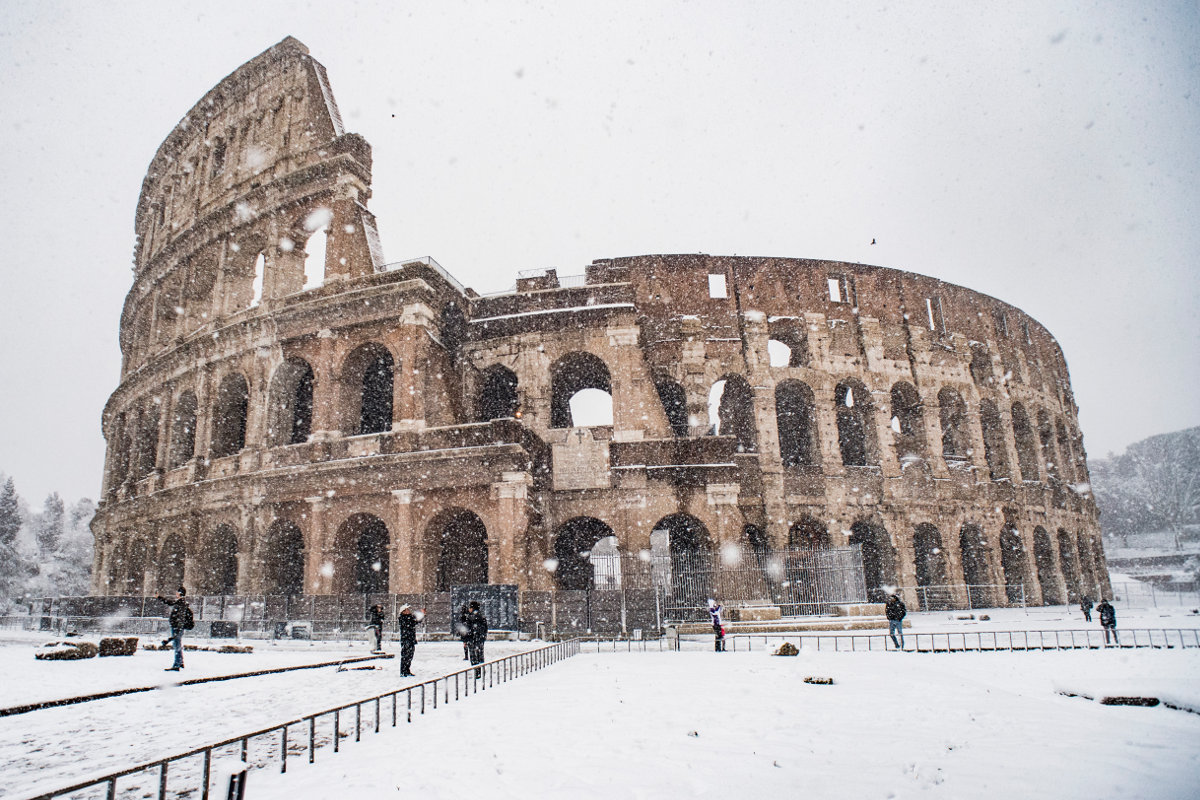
x,y
375,623
1108,620
477,630
896,611
180,619
1085,605
714,611
408,621
463,631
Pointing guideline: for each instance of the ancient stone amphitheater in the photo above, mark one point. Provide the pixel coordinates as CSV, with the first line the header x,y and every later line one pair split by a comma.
x,y
297,416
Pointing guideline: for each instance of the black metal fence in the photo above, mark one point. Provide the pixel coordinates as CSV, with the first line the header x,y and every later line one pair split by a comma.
x,y
190,774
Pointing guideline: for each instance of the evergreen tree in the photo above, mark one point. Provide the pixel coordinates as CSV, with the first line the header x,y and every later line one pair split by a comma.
x,y
10,514
50,528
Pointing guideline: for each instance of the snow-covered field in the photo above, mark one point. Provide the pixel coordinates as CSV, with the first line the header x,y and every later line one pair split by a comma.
x,y
653,724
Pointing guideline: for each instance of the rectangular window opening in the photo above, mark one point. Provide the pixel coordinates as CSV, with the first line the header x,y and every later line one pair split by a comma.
x,y
841,290
716,285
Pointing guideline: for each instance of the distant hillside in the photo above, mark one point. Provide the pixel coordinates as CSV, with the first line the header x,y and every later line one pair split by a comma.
x,y
1154,486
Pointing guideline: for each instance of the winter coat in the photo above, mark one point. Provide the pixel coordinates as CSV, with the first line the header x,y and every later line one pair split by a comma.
x,y
375,617
896,609
464,632
408,627
179,613
1086,604
1108,614
715,613
477,627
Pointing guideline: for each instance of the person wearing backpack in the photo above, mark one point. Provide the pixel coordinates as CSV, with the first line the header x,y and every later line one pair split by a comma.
x,y
181,619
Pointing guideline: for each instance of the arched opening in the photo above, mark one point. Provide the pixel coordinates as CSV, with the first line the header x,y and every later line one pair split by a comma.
x,y
1043,557
973,549
461,540
229,416
256,286
498,394
981,365
573,546
856,427
930,563
756,541
733,401
908,428
363,554
291,412
795,414
1066,561
788,345
119,446
1087,568
1046,438
779,354
1027,452
569,376
219,562
183,431
691,559
956,443
171,560
674,403
993,440
367,380
1012,558
1066,460
878,557
807,533
131,566
283,559
146,448
317,224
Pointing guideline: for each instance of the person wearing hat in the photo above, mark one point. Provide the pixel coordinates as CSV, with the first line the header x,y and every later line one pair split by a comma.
x,y
714,611
375,624
1108,620
408,621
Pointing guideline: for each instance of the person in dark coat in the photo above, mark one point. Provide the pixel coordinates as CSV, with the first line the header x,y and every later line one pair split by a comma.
x,y
375,624
463,631
180,619
1085,605
407,622
896,611
714,611
1108,620
477,630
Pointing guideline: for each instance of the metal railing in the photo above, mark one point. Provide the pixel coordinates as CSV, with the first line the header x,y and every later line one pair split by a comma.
x,y
196,774
976,641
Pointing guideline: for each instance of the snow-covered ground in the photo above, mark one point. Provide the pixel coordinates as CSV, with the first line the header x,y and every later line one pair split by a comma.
x,y
651,724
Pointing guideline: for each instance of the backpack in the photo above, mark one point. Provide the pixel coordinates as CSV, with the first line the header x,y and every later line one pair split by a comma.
x,y
189,621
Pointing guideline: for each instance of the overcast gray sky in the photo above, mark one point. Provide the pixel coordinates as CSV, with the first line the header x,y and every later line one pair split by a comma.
x,y
1045,153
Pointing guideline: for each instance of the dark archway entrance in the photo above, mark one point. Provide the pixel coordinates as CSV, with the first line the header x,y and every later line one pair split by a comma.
x,y
930,562
573,549
878,558
1012,558
283,559
462,545
363,545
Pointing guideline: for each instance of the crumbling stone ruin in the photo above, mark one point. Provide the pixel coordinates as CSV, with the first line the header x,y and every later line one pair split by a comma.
x,y
296,415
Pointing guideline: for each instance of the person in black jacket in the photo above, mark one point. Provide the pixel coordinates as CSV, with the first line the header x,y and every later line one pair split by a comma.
x,y
477,630
180,619
463,631
896,611
1085,605
408,621
375,624
1108,620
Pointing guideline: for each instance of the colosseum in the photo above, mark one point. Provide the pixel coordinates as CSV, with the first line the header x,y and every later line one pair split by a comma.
x,y
297,416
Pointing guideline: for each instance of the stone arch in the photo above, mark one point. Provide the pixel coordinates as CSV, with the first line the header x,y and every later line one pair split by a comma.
x,y
1046,439
283,559
172,558
952,411
1012,558
690,549
244,275
575,372
368,375
1067,561
229,415
1026,441
855,423
674,403
808,533
218,561
290,414
461,541
146,447
686,535
973,551
362,555
929,559
795,414
1043,558
183,430
1087,568
981,365
994,449
130,569
120,446
908,426
573,543
733,400
756,540
788,345
314,232
498,397
878,557
1066,460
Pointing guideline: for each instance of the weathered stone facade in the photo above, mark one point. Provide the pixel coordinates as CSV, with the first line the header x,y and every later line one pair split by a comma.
x,y
287,424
